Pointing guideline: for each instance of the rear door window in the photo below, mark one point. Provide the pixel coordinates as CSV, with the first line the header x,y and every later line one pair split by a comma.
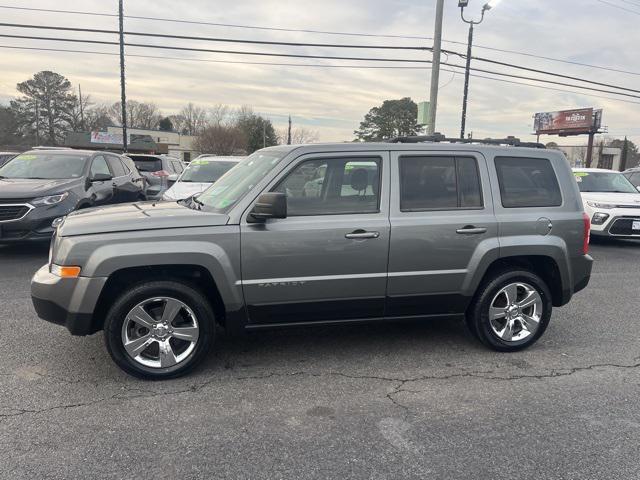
x,y
439,183
527,182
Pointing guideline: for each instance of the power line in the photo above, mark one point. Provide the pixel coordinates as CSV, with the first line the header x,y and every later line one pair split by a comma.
x,y
323,57
298,44
384,67
618,7
218,39
323,32
544,72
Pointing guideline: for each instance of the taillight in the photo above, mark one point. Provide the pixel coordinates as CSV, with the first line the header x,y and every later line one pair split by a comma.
x,y
587,233
160,173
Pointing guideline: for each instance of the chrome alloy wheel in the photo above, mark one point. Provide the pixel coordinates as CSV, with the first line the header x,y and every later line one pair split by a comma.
x,y
160,332
515,312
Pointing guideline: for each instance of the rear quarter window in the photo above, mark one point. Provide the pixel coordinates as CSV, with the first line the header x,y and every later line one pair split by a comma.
x,y
527,182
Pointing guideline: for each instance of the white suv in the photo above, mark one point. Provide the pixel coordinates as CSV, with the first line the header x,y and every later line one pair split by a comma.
x,y
611,201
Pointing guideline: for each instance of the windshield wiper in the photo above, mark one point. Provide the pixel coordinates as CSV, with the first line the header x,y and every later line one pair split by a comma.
x,y
197,202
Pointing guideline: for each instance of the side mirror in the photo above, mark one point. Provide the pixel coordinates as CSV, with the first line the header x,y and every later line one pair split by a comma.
x,y
101,177
269,205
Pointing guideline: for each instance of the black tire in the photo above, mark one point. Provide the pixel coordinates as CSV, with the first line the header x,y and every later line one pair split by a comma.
x,y
185,293
478,314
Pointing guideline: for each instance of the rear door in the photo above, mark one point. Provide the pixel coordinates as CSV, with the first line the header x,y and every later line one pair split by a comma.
x,y
327,260
442,224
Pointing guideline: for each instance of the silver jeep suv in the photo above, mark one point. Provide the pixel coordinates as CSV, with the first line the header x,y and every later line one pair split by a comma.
x,y
325,234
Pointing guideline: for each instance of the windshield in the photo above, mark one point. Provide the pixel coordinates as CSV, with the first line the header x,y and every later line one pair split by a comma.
x,y
604,182
206,171
237,182
45,166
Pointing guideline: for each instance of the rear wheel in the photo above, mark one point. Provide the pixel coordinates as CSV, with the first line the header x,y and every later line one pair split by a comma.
x,y
511,311
159,330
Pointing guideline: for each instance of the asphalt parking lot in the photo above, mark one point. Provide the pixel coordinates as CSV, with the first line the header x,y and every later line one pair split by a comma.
x,y
420,400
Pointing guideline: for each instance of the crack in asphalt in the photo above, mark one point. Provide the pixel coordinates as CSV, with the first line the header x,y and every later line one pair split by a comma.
x,y
398,389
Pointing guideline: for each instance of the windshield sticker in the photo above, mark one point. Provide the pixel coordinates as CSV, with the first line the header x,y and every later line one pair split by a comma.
x,y
26,157
199,162
581,174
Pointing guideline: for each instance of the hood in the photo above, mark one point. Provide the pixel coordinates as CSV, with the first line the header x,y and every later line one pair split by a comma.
x,y
32,188
137,216
182,190
612,198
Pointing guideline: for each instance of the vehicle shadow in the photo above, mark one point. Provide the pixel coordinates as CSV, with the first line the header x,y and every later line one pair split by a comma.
x,y
614,242
359,345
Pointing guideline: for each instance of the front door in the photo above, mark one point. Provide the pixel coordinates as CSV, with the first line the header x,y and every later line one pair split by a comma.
x,y
102,192
442,224
327,261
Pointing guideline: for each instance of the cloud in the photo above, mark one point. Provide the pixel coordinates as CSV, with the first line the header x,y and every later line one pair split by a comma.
x,y
333,100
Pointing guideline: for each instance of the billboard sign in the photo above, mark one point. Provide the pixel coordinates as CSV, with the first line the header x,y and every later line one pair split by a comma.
x,y
568,122
106,137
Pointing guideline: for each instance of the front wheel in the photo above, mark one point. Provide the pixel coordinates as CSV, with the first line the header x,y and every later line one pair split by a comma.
x,y
511,311
159,330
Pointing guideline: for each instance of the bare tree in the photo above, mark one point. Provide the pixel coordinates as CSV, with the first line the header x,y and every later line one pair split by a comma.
x,y
194,119
299,135
97,118
221,140
78,113
220,114
139,115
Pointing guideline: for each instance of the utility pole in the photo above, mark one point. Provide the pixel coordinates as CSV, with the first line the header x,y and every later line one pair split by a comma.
x,y
590,150
123,92
625,154
435,68
37,124
81,108
289,132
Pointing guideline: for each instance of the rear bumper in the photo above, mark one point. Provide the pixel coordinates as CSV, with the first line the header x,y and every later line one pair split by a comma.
x,y
67,301
581,272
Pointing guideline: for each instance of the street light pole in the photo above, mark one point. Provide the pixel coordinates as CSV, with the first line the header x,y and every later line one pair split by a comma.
x,y
488,6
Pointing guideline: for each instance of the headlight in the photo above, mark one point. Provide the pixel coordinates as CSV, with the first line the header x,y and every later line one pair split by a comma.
x,y
599,218
50,200
606,206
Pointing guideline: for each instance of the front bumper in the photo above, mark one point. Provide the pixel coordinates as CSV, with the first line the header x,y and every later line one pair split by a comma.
x,y
35,226
67,301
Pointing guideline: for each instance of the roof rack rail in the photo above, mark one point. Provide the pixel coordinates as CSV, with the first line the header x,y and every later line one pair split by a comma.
x,y
438,138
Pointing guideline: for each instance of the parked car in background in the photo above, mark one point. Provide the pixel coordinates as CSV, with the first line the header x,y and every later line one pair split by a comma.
x,y
38,186
496,235
633,175
199,175
611,201
6,156
159,171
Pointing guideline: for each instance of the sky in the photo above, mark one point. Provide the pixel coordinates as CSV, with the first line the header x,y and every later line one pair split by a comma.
x,y
333,101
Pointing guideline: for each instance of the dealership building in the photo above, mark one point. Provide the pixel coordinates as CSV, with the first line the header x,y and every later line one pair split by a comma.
x,y
138,141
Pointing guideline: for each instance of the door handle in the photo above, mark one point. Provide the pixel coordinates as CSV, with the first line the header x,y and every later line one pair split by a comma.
x,y
471,230
361,235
